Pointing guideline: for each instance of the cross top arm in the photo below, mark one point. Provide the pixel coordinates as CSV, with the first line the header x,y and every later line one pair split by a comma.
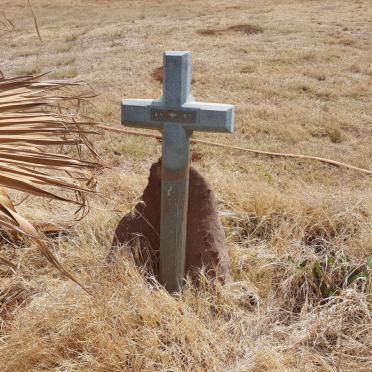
x,y
199,116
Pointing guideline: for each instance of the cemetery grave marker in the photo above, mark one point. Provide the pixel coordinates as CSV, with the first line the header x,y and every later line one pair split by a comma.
x,y
177,115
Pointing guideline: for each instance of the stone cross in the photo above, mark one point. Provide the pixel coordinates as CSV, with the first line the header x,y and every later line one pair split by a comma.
x,y
177,115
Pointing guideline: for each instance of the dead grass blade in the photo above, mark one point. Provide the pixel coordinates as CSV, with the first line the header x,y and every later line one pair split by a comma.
x,y
35,21
6,262
26,227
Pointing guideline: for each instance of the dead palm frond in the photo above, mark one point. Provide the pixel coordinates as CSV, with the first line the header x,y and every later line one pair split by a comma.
x,y
28,127
32,125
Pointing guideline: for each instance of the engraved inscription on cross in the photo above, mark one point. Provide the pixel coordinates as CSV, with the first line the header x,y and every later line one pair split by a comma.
x,y
177,115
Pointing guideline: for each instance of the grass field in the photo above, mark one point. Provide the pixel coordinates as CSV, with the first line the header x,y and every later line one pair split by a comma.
x,y
299,232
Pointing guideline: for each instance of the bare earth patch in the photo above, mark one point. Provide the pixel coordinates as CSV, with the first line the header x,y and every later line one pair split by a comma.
x,y
243,28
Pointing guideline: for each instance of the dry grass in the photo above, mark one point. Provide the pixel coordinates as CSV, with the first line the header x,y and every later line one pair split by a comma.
x,y
299,233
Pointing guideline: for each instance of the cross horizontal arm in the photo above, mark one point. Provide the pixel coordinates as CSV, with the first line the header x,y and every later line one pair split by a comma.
x,y
136,113
212,117
197,116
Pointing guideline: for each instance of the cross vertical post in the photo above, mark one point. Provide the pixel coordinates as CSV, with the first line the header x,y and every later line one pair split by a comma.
x,y
176,114
175,173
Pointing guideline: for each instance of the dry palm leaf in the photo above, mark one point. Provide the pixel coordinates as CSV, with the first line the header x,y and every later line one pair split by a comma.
x,y
5,201
30,122
51,228
28,126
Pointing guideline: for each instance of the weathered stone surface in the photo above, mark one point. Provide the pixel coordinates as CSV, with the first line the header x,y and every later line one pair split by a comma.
x,y
138,231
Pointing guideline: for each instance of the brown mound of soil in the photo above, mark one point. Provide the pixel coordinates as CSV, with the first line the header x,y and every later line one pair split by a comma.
x,y
158,75
138,231
246,29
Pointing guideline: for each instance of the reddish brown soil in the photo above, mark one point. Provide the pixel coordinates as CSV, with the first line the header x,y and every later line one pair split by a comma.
x,y
138,231
157,74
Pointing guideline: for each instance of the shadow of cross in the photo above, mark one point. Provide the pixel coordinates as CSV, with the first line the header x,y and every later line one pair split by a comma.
x,y
177,115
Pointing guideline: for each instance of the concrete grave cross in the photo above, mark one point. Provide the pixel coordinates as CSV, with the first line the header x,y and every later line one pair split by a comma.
x,y
177,115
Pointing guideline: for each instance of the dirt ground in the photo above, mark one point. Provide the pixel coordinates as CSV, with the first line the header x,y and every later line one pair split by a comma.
x,y
299,232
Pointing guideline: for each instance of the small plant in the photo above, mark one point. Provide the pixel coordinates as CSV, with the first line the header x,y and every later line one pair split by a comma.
x,y
28,70
65,61
329,275
71,37
248,69
265,173
114,34
25,53
334,135
64,48
66,73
